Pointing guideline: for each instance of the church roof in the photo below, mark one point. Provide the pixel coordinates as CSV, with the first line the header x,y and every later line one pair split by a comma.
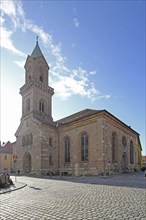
x,y
88,112
37,51
78,115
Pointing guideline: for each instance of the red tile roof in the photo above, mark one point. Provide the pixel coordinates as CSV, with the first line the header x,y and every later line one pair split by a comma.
x,y
7,148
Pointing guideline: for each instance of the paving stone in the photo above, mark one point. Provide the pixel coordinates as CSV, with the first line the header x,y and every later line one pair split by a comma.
x,y
64,200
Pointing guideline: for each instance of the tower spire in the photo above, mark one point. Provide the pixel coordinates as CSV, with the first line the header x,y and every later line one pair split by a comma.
x,y
37,39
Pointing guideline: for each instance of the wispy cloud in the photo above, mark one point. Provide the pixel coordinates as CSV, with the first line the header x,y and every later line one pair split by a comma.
x,y
64,80
20,63
9,9
76,22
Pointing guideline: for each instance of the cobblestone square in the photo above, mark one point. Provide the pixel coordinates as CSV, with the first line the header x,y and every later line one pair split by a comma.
x,y
90,198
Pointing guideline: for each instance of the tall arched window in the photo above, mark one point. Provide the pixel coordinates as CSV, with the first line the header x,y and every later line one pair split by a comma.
x,y
114,147
84,147
27,140
131,152
67,150
41,106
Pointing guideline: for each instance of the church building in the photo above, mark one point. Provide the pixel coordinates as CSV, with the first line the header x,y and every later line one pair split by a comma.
x,y
89,142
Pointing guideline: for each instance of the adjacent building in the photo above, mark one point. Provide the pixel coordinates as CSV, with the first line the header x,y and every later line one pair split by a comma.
x,y
7,158
88,142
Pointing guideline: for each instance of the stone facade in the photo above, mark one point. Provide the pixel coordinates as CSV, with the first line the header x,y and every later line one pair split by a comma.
x,y
86,143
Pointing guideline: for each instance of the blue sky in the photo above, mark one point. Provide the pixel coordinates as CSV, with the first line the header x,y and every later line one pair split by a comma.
x,y
96,53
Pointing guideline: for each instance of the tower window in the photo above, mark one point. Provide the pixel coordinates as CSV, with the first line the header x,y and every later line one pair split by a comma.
x,y
41,78
41,106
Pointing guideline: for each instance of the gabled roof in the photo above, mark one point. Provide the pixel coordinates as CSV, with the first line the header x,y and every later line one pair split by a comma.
x,y
37,51
78,115
88,112
7,148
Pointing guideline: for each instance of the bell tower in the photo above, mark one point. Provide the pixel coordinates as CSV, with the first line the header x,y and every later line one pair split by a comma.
x,y
36,92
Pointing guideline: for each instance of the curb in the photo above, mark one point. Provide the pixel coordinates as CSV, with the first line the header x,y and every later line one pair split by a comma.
x,y
14,189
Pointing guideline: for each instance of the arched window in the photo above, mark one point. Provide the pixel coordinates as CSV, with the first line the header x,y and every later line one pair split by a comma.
x,y
27,140
124,141
131,152
30,139
67,150
27,105
41,106
114,147
23,141
84,147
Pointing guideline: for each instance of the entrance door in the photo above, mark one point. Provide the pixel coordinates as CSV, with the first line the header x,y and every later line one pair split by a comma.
x,y
124,162
27,162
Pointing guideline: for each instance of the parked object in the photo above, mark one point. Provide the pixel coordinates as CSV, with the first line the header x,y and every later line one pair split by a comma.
x,y
5,180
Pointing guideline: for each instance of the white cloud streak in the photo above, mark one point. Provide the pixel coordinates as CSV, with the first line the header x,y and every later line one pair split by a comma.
x,y
76,22
64,80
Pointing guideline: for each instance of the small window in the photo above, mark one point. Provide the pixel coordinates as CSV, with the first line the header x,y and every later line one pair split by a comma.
x,y
50,141
41,78
41,106
30,139
5,157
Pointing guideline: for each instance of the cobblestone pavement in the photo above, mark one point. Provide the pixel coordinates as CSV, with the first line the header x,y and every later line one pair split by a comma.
x,y
73,200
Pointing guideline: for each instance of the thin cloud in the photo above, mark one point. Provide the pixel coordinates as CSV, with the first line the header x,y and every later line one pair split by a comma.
x,y
8,8
20,63
7,43
64,80
76,22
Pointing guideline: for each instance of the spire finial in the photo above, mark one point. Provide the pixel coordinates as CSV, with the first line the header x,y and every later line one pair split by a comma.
x,y
37,39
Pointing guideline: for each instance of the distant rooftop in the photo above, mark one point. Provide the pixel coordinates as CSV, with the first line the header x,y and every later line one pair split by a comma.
x,y
6,148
